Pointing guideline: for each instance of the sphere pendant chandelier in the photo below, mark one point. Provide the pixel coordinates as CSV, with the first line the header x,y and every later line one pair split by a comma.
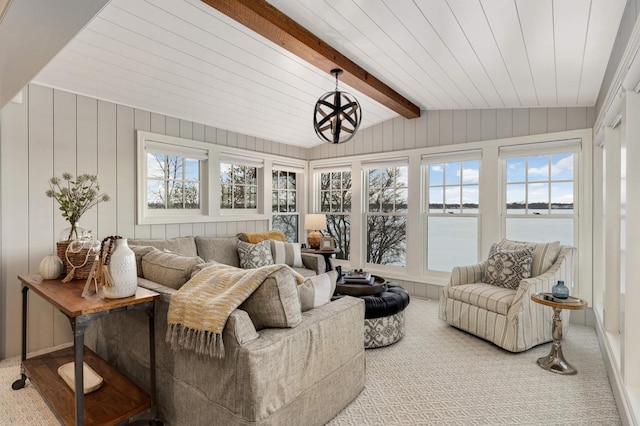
x,y
337,115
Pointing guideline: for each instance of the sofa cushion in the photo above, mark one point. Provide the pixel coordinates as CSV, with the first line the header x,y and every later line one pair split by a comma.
x,y
185,246
140,251
219,249
506,268
254,255
486,296
275,304
317,291
306,272
286,253
544,254
169,269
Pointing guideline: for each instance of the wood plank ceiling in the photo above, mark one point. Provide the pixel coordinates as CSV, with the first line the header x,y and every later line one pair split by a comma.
x,y
186,59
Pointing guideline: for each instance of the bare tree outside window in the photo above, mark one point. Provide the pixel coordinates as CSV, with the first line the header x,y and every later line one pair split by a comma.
x,y
239,186
284,205
386,215
335,202
173,182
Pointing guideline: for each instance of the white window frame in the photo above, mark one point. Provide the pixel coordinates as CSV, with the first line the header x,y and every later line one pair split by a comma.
x,y
240,160
299,173
573,146
318,195
146,142
210,210
444,158
374,164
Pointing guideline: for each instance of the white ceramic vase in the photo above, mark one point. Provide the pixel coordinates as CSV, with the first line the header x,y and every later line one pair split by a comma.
x,y
51,267
122,268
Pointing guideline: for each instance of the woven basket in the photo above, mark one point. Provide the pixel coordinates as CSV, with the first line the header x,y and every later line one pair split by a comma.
x,y
77,259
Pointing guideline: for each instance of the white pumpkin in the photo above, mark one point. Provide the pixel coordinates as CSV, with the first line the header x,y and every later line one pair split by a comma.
x,y
51,267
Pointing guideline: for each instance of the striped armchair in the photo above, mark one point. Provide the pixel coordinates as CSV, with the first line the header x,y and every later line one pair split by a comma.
x,y
506,317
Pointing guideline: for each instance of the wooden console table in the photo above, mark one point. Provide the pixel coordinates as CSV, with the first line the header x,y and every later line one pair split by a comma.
x,y
118,400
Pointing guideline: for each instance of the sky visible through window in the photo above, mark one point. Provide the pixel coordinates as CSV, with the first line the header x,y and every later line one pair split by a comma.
x,y
540,184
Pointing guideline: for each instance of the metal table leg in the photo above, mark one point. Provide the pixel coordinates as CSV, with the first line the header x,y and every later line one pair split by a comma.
x,y
555,361
20,383
79,325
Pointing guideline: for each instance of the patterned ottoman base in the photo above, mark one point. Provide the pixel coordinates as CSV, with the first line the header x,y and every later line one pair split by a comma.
x,y
379,332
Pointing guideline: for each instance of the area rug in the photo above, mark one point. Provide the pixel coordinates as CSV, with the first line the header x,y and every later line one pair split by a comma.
x,y
435,375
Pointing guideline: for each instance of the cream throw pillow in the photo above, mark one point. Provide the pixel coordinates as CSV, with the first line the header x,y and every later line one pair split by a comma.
x,y
317,291
286,253
169,269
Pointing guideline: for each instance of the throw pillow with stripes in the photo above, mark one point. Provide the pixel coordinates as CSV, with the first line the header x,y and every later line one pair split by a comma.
x,y
286,253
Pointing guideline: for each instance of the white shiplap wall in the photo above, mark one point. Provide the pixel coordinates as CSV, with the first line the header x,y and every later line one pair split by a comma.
x,y
53,131
447,127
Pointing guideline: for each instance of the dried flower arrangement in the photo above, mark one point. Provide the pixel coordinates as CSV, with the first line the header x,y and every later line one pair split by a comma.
x,y
75,197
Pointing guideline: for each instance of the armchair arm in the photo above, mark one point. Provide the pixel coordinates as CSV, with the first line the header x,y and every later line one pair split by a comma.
x,y
467,274
315,262
562,269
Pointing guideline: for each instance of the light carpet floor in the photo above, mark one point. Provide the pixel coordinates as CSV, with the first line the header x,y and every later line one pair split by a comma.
x,y
436,375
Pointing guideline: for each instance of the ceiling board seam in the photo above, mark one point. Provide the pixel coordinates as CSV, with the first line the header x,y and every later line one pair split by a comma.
x,y
584,52
454,57
436,63
283,81
476,54
486,18
555,60
524,43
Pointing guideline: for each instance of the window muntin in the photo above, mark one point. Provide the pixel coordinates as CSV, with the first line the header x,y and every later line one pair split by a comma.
x,y
453,200
173,182
386,215
335,202
284,203
540,191
238,186
540,184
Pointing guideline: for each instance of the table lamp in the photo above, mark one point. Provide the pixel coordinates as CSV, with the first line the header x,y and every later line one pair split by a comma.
x,y
315,223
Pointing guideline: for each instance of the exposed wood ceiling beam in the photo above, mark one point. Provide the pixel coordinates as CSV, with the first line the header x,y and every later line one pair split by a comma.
x,y
266,20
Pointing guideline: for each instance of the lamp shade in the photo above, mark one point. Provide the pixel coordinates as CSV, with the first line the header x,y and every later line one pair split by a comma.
x,y
315,222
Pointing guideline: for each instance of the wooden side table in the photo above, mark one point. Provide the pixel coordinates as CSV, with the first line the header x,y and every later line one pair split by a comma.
x,y
555,361
326,254
118,400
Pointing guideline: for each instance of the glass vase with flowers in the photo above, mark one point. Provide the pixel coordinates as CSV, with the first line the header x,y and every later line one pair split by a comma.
x,y
76,197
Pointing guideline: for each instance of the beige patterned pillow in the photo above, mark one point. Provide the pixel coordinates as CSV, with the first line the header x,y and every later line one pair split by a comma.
x,y
544,254
169,269
254,255
275,303
506,268
317,291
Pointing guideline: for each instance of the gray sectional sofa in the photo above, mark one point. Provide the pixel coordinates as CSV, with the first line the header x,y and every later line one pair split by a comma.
x,y
298,375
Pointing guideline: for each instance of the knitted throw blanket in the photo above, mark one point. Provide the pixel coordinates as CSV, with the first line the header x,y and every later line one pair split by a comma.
x,y
198,312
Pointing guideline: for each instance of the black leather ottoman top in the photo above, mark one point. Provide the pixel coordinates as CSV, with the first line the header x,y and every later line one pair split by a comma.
x,y
391,301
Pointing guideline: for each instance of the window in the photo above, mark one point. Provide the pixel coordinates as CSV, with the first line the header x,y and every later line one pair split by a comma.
x,y
284,202
386,214
539,194
453,211
171,179
335,202
238,183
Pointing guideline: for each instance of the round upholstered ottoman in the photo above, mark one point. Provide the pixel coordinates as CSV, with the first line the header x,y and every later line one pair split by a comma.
x,y
384,316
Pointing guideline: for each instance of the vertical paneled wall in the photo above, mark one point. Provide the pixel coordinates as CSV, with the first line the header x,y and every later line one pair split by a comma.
x,y
447,127
52,132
